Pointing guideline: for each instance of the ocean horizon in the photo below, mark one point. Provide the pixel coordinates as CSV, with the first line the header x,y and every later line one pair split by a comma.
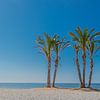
x,y
41,85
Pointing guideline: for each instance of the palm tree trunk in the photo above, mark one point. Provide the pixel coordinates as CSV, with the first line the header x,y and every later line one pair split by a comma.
x,y
54,77
49,68
84,68
55,71
78,68
91,72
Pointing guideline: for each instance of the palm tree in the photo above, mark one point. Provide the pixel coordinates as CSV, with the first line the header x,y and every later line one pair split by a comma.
x,y
81,38
59,45
93,47
45,46
76,47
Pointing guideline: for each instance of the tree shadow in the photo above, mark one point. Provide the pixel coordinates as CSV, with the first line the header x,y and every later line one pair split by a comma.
x,y
82,89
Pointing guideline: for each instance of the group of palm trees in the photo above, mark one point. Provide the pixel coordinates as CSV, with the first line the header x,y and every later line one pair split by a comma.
x,y
86,43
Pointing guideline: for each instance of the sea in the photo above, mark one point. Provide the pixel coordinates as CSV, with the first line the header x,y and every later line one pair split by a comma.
x,y
40,85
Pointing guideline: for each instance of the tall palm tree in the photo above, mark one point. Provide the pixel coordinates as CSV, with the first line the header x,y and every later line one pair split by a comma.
x,y
81,38
76,47
45,46
93,47
59,45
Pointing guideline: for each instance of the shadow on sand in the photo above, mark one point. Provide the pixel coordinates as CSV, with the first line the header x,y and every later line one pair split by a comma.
x,y
82,89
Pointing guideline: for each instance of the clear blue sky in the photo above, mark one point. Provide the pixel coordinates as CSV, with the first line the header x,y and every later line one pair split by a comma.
x,y
22,20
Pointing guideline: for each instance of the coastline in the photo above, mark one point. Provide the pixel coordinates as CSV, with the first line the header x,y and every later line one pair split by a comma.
x,y
49,94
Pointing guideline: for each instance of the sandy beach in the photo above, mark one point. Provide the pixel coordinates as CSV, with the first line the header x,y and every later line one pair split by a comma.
x,y
48,94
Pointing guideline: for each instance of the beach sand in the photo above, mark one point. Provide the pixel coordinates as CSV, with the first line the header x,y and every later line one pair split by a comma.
x,y
48,94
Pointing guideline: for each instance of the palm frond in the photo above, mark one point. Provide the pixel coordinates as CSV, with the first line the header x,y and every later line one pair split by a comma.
x,y
97,48
79,32
97,41
40,40
91,31
95,35
44,44
74,37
